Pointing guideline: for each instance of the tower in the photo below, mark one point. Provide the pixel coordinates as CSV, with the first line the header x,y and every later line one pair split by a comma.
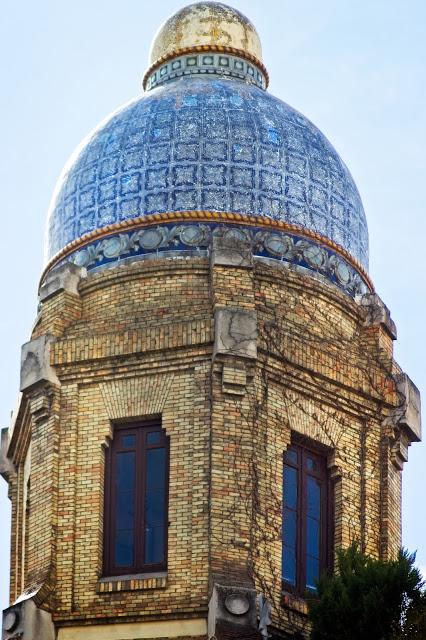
x,y
208,336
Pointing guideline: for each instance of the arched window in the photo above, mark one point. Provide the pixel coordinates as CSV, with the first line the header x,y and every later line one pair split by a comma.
x,y
307,526
136,497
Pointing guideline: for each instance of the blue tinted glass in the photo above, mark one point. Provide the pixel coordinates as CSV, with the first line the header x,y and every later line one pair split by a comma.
x,y
312,537
155,468
311,464
312,572
128,441
154,507
125,472
289,565
123,548
289,528
125,510
290,487
290,456
314,497
154,544
153,438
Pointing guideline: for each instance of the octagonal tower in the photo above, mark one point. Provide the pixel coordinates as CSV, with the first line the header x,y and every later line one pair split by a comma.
x,y
209,403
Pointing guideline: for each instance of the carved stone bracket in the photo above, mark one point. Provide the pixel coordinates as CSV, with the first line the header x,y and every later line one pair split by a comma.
x,y
377,313
7,468
403,425
233,613
231,249
35,363
65,277
25,621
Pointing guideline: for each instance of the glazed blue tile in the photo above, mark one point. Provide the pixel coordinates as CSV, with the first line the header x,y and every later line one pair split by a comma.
x,y
204,143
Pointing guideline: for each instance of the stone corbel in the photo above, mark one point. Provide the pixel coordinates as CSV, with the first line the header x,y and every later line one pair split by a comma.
x,y
403,425
35,364
233,612
376,313
229,250
7,468
24,620
66,277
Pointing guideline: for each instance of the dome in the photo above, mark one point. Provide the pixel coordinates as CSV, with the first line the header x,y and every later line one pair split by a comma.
x,y
207,142
206,24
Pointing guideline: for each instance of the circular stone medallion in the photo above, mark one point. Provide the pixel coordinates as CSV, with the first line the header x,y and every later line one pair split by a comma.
x,y
10,620
151,239
237,604
279,245
192,235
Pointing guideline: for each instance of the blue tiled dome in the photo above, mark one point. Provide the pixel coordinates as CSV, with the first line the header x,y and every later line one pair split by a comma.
x,y
201,143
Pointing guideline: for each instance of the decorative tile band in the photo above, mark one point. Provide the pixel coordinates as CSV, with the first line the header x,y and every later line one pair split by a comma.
x,y
222,64
206,49
226,217
194,238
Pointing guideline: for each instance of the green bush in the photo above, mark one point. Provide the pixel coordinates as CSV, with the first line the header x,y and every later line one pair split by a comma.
x,y
369,599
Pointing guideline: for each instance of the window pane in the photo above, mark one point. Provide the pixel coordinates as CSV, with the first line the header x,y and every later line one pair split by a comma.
x,y
154,544
290,487
289,565
155,468
124,548
289,528
312,572
311,464
125,510
153,438
125,478
290,456
128,441
314,497
155,507
313,537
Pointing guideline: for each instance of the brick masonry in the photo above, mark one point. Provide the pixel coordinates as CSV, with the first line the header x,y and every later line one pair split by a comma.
x,y
139,340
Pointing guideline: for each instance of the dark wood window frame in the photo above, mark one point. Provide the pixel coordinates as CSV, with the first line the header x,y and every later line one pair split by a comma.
x,y
320,455
139,431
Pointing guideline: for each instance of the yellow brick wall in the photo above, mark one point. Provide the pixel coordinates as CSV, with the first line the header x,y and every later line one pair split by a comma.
x,y
139,341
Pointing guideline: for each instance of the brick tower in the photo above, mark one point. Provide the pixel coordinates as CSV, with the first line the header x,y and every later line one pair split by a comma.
x,y
209,402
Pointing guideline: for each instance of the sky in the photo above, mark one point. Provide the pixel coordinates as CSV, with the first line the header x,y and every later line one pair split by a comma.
x,y
355,68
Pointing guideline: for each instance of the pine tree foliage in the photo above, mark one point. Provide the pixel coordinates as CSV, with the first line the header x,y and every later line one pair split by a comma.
x,y
369,599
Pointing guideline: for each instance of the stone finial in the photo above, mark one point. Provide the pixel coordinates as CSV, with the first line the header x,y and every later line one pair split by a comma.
x,y
63,278
236,332
35,363
377,313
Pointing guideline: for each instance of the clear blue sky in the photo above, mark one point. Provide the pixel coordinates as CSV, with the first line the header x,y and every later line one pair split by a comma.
x,y
355,68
